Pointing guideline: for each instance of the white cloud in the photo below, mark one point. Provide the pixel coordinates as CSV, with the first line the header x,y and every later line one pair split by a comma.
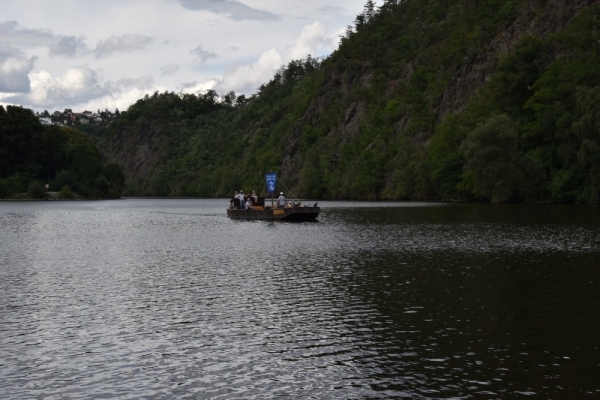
x,y
201,87
311,39
245,78
76,86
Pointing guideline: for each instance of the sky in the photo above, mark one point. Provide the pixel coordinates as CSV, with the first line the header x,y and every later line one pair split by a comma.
x,y
107,54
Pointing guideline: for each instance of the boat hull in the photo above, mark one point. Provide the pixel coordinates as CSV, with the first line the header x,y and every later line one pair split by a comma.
x,y
302,214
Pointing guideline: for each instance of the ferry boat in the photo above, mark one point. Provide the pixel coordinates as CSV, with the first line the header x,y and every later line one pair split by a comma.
x,y
292,211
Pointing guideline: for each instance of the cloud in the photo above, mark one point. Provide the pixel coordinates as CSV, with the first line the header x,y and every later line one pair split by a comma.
x,y
198,87
333,11
187,85
202,56
145,82
69,46
233,49
245,78
230,8
59,45
170,69
311,39
123,43
20,36
14,70
76,86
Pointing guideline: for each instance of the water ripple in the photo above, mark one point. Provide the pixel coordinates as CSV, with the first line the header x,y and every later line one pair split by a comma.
x,y
170,299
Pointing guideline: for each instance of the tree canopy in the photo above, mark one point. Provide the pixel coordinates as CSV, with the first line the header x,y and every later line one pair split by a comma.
x,y
422,100
31,154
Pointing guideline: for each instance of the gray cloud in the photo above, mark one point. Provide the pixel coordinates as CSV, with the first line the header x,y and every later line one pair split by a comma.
x,y
230,8
187,85
233,49
17,35
14,70
202,56
123,43
170,70
69,46
59,45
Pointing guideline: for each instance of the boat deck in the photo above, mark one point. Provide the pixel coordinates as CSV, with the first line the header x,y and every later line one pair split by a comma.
x,y
302,213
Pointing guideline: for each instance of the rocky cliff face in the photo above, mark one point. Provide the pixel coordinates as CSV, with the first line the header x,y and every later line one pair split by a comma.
x,y
534,18
138,149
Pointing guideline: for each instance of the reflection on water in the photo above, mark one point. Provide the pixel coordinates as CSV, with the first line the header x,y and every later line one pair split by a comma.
x,y
169,298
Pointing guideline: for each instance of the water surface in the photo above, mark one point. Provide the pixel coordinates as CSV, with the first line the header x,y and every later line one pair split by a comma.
x,y
171,299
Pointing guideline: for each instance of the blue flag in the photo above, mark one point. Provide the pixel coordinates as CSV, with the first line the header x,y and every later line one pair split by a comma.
x,y
271,181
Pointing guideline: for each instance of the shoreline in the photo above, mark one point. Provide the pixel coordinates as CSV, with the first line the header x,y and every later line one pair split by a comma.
x,y
52,199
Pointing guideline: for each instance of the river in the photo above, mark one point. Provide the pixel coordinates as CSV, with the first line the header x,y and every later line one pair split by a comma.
x,y
168,298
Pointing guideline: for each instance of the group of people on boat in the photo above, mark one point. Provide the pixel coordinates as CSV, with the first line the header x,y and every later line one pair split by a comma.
x,y
243,202
240,201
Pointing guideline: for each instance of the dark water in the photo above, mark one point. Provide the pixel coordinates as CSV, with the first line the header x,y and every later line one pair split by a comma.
x,y
170,299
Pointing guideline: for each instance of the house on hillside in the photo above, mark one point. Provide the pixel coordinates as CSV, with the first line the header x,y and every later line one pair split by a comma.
x,y
45,120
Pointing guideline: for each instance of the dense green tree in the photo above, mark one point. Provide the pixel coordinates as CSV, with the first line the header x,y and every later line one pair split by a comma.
x,y
587,129
19,129
492,170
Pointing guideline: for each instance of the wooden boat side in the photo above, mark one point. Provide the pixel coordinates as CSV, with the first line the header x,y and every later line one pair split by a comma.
x,y
283,214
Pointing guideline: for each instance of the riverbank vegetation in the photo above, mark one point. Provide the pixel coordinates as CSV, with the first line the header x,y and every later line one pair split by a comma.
x,y
33,155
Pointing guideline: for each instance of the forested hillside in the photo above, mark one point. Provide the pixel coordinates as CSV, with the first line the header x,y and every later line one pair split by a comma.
x,y
458,99
68,160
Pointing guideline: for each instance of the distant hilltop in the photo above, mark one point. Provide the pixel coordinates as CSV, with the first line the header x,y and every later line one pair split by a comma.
x,y
70,118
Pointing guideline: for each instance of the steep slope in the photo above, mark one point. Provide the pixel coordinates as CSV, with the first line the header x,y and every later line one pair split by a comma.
x,y
458,99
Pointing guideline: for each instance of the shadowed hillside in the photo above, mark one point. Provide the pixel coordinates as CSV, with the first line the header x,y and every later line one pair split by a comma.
x,y
457,99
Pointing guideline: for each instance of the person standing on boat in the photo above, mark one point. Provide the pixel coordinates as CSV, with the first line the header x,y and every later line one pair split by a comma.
x,y
235,202
242,200
281,200
249,203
